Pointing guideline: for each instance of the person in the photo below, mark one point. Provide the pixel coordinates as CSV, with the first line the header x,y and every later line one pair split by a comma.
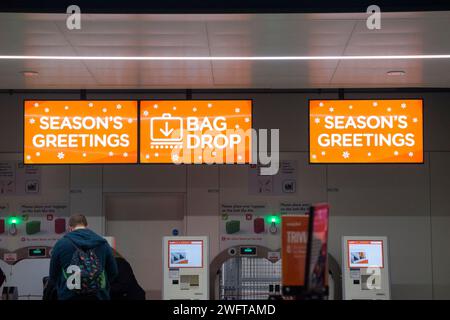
x,y
125,285
2,277
84,253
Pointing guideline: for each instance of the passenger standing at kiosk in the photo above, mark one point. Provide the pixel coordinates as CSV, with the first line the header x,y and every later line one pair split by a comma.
x,y
87,251
2,277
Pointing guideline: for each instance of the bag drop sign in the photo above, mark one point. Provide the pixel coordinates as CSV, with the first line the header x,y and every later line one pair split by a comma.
x,y
195,131
366,131
76,132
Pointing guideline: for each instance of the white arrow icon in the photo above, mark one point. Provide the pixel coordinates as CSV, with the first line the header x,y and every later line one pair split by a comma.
x,y
166,135
166,132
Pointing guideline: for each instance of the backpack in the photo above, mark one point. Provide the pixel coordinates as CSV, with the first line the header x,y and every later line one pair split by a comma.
x,y
92,273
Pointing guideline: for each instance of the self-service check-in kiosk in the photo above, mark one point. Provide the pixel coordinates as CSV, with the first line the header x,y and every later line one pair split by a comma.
x,y
365,268
185,264
25,269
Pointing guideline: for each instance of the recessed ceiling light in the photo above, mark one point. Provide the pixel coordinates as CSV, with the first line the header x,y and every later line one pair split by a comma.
x,y
396,73
29,74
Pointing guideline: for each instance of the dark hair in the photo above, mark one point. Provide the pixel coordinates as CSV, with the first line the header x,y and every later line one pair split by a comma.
x,y
76,220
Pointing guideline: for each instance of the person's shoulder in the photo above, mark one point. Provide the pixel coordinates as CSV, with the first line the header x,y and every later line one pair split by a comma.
x,y
62,242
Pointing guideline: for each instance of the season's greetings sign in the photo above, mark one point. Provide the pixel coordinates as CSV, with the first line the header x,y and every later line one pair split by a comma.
x,y
76,132
366,131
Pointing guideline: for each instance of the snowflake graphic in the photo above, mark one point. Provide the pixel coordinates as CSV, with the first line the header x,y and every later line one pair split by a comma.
x,y
111,153
410,154
321,104
375,103
145,113
350,107
105,110
209,105
84,154
36,104
90,104
66,108
61,155
38,154
331,109
237,110
415,120
403,105
119,106
147,156
156,154
175,157
369,154
247,120
389,109
323,153
155,106
314,156
174,108
317,120
125,154
194,109
32,121
346,154
396,153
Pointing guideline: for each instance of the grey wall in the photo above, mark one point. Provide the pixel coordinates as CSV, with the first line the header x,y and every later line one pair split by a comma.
x,y
408,203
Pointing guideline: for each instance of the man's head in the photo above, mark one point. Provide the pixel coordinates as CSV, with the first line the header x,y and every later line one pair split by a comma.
x,y
77,221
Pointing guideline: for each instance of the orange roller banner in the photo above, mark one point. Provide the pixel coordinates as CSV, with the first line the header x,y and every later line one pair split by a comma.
x,y
80,132
294,249
366,131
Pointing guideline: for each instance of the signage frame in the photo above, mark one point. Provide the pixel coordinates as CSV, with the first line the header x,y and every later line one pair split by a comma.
x,y
366,163
190,164
82,164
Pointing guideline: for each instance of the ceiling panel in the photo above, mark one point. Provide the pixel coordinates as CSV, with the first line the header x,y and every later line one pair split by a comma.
x,y
191,35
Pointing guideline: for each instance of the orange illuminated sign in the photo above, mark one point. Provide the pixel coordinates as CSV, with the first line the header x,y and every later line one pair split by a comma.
x,y
366,131
195,131
80,132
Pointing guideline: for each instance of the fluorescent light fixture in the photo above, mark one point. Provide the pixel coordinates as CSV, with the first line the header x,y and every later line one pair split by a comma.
x,y
235,58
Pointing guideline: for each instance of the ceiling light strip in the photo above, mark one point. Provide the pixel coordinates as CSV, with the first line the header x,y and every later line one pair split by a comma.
x,y
212,58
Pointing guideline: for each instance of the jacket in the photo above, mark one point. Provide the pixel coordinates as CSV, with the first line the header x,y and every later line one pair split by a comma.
x,y
61,257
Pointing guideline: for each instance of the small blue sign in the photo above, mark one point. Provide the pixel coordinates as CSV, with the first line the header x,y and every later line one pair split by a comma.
x,y
175,232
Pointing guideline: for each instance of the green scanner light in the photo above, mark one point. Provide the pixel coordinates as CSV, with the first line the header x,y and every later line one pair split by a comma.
x,y
273,219
13,220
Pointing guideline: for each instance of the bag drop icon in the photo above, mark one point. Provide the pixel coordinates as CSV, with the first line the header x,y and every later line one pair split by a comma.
x,y
166,129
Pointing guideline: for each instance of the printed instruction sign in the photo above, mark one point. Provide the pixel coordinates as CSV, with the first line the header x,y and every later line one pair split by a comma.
x,y
283,183
366,131
34,224
17,179
28,179
78,131
242,224
7,178
195,131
